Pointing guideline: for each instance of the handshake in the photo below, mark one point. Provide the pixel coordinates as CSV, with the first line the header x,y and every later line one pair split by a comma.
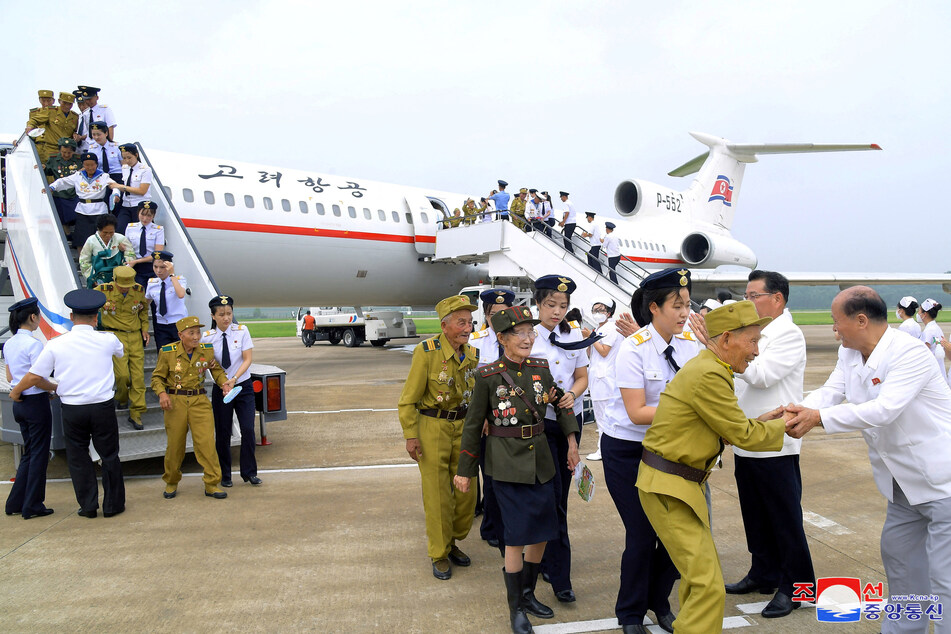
x,y
799,419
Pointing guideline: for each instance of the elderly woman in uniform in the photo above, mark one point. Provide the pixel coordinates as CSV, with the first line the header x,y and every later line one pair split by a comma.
x,y
103,246
646,362
512,393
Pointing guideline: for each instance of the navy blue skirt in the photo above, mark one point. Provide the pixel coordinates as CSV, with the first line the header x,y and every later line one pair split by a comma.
x,y
529,512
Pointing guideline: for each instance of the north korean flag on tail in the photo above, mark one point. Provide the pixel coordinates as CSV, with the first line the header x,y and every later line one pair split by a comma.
x,y
722,190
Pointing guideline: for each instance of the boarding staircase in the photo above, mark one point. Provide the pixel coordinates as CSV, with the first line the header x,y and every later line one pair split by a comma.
x,y
516,257
39,263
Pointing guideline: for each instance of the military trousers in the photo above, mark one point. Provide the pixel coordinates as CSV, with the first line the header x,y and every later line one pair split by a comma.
x,y
95,422
191,413
690,545
449,511
130,371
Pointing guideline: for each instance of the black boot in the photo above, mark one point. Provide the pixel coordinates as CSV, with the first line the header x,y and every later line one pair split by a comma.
x,y
513,589
529,603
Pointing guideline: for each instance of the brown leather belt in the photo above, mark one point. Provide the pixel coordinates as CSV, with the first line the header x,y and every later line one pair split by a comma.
x,y
197,392
519,431
651,459
448,414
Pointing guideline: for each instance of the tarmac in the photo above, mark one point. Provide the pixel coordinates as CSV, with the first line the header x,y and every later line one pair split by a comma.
x,y
334,540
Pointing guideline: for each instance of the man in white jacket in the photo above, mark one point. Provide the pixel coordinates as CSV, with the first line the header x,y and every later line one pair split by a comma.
x,y
769,483
901,403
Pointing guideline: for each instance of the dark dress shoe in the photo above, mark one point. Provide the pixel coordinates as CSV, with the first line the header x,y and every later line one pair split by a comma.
x,y
780,605
441,569
168,495
666,621
256,481
227,483
42,513
136,425
458,557
218,495
112,513
12,512
566,596
494,543
635,629
90,514
747,585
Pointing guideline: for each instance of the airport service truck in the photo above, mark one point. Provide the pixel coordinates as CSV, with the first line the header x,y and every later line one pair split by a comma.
x,y
353,328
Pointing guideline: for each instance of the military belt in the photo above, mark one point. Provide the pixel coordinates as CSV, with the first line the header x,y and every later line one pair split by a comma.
x,y
89,201
651,459
520,431
448,414
177,392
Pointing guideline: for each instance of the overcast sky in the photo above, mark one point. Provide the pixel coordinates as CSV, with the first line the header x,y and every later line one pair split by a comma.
x,y
557,95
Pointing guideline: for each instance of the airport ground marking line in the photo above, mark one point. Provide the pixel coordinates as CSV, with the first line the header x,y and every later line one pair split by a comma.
x,y
825,523
601,625
756,608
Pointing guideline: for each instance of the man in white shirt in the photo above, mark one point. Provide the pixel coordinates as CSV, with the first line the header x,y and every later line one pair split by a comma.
x,y
594,239
897,397
769,483
568,221
612,249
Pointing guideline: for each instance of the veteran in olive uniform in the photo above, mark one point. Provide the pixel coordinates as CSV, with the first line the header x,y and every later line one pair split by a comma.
x,y
62,122
512,394
518,209
39,118
696,413
432,408
64,164
177,379
125,314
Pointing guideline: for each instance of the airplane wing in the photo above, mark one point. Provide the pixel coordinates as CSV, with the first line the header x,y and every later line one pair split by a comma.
x,y
736,280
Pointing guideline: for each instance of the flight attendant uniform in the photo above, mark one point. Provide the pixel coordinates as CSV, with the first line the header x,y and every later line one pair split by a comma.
x,y
169,307
228,348
135,176
143,239
647,573
571,222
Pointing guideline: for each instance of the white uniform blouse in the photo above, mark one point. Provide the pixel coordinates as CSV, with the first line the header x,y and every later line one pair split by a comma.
x,y
20,353
911,327
561,363
238,340
487,343
931,334
601,379
141,174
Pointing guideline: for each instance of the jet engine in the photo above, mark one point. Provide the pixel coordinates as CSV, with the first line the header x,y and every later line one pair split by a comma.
x,y
633,196
712,250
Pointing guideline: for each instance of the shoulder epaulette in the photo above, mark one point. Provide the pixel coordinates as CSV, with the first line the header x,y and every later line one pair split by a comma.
x,y
106,287
431,344
131,224
153,279
206,346
207,333
479,334
137,287
35,109
492,368
157,226
240,326
640,336
536,362
574,324
169,347
688,335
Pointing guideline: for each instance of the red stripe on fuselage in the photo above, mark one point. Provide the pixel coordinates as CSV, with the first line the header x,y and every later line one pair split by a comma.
x,y
195,223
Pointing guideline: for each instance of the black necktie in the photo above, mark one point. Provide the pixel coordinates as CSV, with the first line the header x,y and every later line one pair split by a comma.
x,y
142,247
105,160
574,345
669,353
225,352
162,307
128,182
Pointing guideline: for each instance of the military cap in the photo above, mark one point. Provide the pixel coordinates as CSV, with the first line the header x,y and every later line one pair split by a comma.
x,y
45,93
124,276
733,317
89,91
558,283
68,97
128,147
23,303
502,183
523,190
85,301
148,204
188,322
508,318
668,278
498,296
565,194
907,301
451,304
590,213
220,300
79,95
533,191
99,125
162,255
609,225
89,156
66,142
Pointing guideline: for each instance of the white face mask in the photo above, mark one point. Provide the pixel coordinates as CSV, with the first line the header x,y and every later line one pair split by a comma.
x,y
898,315
599,318
918,318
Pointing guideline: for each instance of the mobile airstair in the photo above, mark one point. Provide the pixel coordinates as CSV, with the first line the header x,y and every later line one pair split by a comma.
x,y
40,263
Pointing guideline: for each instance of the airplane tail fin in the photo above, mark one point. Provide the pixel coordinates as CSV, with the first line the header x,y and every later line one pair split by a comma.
x,y
714,191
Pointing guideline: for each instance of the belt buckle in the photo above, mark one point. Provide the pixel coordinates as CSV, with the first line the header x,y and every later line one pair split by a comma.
x,y
529,428
451,415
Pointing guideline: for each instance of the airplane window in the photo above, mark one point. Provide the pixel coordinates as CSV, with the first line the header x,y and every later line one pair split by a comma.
x,y
382,214
396,217
367,214
303,207
352,212
229,200
209,198
168,192
337,210
639,246
268,204
188,195
285,204
320,209
409,218
425,218
249,202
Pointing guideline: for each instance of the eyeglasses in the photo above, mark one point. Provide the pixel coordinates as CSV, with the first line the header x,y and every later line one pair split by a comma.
x,y
752,296
529,334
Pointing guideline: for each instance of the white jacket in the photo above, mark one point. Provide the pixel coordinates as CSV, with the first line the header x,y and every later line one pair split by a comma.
x,y
902,404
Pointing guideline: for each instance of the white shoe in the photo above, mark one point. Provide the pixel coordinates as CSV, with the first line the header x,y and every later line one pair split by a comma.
x,y
594,456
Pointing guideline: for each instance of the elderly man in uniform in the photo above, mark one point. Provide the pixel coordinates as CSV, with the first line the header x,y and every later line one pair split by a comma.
x,y
897,397
518,208
432,410
698,411
126,315
62,122
82,363
39,118
769,482
177,379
